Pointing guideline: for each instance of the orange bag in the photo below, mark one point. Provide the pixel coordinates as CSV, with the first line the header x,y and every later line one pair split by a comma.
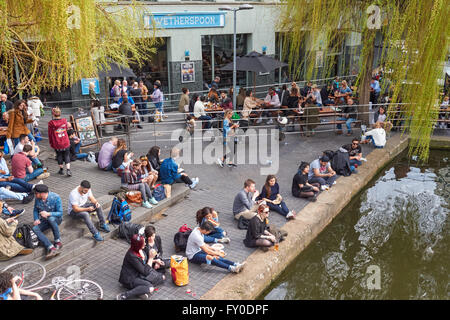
x,y
134,197
179,269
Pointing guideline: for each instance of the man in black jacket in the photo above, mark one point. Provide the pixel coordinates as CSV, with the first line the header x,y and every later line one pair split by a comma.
x,y
349,114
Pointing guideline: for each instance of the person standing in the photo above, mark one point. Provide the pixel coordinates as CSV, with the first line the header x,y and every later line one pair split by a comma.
x,y
158,98
184,101
18,120
59,140
228,132
47,214
82,203
144,94
5,104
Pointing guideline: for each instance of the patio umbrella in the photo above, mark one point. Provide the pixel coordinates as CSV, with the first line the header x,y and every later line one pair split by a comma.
x,y
116,71
256,62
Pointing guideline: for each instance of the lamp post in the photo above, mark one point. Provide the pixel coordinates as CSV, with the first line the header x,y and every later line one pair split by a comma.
x,y
228,8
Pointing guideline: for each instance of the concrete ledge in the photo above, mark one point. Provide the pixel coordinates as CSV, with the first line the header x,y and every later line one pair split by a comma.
x,y
263,267
440,142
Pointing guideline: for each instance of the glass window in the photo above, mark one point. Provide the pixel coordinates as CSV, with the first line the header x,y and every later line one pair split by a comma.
x,y
217,52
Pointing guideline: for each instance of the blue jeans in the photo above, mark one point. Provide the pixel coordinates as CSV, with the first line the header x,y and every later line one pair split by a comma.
x,y
280,208
348,123
17,185
214,236
77,152
355,161
323,181
122,167
159,107
50,222
6,194
373,142
206,124
34,174
200,257
142,108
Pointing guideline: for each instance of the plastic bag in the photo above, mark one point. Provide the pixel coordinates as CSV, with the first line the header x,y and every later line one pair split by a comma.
x,y
180,270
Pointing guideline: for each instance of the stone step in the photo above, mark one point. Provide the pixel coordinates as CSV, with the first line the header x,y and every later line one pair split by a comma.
x,y
77,239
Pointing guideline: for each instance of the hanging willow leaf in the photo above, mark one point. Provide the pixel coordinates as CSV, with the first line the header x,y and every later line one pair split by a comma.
x,y
415,36
55,43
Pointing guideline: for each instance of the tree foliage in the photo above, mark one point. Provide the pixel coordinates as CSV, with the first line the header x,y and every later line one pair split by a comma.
x,y
415,37
54,43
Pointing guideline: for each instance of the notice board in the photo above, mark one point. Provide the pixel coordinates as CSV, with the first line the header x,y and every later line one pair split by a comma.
x,y
85,128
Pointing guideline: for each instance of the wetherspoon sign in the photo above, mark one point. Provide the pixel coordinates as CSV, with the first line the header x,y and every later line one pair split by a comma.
x,y
180,20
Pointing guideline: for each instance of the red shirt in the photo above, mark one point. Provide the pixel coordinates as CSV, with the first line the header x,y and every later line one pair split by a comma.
x,y
19,165
57,134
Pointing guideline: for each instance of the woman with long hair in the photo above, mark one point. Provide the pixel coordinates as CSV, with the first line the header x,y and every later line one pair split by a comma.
x,y
228,126
18,120
271,195
209,214
121,156
137,273
132,180
153,157
257,233
149,175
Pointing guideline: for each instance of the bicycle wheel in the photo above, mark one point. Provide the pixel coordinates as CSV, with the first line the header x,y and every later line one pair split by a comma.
x,y
31,273
80,290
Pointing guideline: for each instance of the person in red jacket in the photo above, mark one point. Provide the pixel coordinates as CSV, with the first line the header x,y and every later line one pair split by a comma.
x,y
59,140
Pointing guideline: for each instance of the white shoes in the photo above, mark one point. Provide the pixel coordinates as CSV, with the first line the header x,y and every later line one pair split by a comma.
x,y
270,121
194,183
219,162
324,187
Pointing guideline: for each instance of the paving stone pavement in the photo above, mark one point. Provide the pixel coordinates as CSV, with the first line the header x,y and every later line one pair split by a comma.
x,y
217,189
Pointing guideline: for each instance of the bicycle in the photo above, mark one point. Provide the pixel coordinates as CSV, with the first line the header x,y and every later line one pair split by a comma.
x,y
33,273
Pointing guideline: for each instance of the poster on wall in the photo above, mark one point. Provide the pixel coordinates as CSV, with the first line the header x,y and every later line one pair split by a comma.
x,y
187,72
85,128
85,86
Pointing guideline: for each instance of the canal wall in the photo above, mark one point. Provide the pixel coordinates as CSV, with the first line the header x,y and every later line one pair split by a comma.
x,y
263,267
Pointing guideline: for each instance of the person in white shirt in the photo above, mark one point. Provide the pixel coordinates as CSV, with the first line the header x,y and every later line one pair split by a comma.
x,y
24,140
80,207
377,136
272,101
198,252
200,113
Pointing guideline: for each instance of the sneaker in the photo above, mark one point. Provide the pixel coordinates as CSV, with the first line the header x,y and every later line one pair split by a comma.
x,y
153,201
194,183
51,253
324,187
58,245
98,237
220,163
16,213
69,173
290,216
241,265
61,171
259,121
270,121
231,165
28,198
45,175
121,296
104,227
233,269
147,205
139,126
145,296
224,240
334,183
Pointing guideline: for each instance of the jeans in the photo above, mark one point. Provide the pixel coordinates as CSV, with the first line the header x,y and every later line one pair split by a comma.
x,y
50,222
323,181
373,142
34,174
355,161
348,122
280,208
87,218
214,236
122,167
206,124
200,257
17,185
77,152
36,161
159,107
6,194
142,107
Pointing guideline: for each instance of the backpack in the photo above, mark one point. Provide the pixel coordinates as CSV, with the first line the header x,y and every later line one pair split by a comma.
x,y
119,212
159,192
181,238
26,237
128,229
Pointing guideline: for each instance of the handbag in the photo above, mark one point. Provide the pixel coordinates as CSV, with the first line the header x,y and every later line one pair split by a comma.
x,y
134,197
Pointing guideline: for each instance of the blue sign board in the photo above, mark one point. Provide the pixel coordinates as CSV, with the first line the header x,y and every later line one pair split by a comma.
x,y
182,20
85,85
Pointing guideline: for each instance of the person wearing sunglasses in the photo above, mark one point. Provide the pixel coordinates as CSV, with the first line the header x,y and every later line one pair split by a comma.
x,y
355,152
257,234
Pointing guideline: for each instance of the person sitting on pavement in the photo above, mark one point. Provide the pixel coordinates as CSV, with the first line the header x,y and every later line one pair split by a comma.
x,y
121,157
24,140
257,233
380,116
21,167
170,174
75,144
198,252
218,235
106,153
153,242
341,162
355,152
153,156
270,193
82,203
377,136
349,114
132,180
149,175
245,204
47,214
10,211
9,247
137,274
8,181
322,173
301,188
59,140
9,290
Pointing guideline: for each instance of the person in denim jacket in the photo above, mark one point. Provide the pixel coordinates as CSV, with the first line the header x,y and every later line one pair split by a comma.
x,y
47,213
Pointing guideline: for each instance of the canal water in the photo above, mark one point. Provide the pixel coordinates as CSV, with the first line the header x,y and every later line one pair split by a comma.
x,y
391,242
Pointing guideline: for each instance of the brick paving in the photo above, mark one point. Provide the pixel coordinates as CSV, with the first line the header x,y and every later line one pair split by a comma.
x,y
217,189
